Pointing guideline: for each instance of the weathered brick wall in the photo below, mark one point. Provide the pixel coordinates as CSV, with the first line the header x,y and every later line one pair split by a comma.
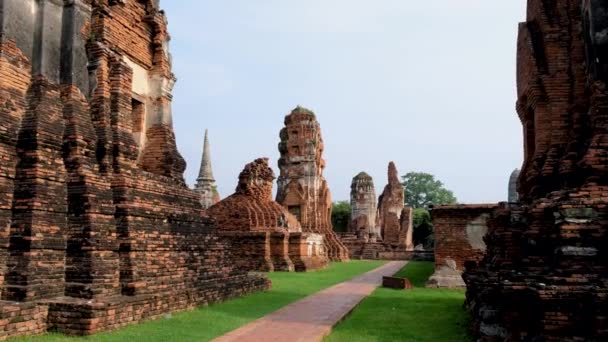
x,y
14,81
22,319
544,276
89,211
459,232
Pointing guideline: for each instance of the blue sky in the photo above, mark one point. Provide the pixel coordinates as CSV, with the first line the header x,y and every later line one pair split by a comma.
x,y
427,84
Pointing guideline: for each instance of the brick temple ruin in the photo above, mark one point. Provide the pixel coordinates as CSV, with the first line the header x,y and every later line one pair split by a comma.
x,y
363,208
205,182
302,189
544,276
459,231
264,235
98,228
390,235
391,209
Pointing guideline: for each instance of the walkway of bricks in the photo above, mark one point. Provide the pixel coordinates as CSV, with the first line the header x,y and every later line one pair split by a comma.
x,y
312,318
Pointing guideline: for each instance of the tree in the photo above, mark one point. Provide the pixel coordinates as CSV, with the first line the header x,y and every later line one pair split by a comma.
x,y
423,228
340,215
422,190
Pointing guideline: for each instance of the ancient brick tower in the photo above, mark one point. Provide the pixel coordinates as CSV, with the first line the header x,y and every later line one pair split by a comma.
x,y
96,221
205,183
390,206
363,207
302,189
545,274
267,237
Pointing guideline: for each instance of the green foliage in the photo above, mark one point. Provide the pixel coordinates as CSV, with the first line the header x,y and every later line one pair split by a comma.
x,y
420,314
423,228
207,323
340,215
423,190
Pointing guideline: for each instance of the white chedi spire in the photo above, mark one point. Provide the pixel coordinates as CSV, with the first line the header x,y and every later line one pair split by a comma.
x,y
205,183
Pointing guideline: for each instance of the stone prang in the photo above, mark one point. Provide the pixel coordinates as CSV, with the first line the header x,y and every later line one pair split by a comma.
x,y
302,189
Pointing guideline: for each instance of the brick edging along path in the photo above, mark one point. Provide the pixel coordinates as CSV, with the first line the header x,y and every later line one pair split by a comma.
x,y
313,317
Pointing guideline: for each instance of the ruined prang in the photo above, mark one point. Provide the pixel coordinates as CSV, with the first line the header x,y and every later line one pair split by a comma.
x,y
97,226
363,207
544,276
390,207
205,183
267,236
302,189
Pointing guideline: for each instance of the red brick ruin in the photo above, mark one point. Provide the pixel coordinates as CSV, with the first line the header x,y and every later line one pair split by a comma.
x,y
265,236
391,206
459,231
97,226
302,189
545,275
389,235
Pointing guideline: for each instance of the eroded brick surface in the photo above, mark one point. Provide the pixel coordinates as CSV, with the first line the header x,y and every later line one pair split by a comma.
x,y
459,231
544,276
302,189
97,226
391,206
265,235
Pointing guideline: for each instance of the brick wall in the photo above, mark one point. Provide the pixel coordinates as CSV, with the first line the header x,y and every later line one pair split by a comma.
x,y
544,275
97,231
459,232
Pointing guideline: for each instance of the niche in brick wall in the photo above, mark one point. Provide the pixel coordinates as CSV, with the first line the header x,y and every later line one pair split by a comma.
x,y
138,111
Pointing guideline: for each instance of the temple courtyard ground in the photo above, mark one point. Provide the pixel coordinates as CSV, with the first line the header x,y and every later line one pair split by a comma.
x,y
386,315
419,315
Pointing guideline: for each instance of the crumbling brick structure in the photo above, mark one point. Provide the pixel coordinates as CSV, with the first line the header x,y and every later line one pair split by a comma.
x,y
459,231
302,189
267,236
545,274
363,208
391,206
97,226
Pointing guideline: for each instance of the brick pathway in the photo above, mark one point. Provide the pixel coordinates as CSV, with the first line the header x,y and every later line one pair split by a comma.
x,y
311,319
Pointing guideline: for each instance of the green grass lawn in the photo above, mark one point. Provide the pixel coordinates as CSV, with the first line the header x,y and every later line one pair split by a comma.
x,y
207,323
419,314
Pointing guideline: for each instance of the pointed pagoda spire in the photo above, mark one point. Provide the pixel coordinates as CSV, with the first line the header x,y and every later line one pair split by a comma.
x,y
206,171
205,183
